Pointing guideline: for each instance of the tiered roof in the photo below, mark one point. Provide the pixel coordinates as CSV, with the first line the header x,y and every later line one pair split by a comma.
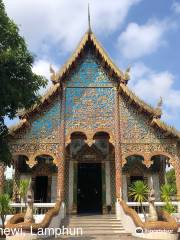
x,y
89,39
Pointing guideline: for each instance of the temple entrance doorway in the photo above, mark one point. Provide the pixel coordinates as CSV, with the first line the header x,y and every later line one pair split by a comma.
x,y
41,187
89,188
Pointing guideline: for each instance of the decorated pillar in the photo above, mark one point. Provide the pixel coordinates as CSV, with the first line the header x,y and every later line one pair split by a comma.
x,y
61,154
177,173
71,177
162,171
2,177
118,154
75,169
103,188
108,182
16,180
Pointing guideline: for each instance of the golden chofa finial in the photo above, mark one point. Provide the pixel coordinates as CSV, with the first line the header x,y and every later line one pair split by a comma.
x,y
158,109
53,74
160,103
89,20
127,75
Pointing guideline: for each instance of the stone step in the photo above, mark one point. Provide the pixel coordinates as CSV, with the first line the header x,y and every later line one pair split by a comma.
x,y
94,225
105,219
93,217
111,234
94,221
99,231
102,232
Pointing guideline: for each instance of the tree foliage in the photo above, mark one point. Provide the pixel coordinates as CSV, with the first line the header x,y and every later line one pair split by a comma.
x,y
18,84
167,191
171,179
23,187
139,192
8,187
4,207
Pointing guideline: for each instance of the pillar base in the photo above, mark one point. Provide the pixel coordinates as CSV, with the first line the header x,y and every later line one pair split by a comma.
x,y
178,207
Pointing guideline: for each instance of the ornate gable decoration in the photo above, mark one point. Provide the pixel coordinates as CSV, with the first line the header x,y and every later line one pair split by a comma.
x,y
89,40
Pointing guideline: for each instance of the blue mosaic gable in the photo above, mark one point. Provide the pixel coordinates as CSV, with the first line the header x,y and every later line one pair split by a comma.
x,y
89,107
89,96
89,73
45,126
135,126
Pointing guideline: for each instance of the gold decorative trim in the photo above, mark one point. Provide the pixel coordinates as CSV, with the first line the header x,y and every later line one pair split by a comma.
x,y
168,129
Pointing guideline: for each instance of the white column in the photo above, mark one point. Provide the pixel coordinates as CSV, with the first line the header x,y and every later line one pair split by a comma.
x,y
53,188
156,186
124,188
155,181
178,206
71,176
108,183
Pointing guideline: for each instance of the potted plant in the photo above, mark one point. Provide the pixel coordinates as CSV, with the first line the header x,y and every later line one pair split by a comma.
x,y
139,192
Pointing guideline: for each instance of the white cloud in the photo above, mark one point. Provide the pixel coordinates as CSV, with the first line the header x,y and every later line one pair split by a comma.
x,y
150,85
41,67
176,7
62,22
139,40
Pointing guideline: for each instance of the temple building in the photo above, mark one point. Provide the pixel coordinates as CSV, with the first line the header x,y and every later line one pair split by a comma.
x,y
91,137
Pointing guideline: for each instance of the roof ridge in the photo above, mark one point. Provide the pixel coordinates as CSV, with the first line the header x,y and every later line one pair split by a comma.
x,y
166,127
122,87
50,91
89,36
137,99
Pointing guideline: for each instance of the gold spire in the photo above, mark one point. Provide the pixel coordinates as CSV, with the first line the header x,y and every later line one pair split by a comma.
x,y
89,20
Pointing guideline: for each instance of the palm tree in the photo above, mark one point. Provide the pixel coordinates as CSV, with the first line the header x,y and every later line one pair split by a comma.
x,y
4,207
166,192
23,187
139,191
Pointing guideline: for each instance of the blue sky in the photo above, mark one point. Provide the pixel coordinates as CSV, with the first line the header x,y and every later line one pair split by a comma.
x,y
145,34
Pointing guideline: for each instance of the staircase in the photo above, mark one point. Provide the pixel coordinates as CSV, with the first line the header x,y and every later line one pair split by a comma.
x,y
96,224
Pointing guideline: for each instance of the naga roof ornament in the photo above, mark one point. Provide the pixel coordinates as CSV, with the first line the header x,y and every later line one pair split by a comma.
x,y
127,75
158,109
54,78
